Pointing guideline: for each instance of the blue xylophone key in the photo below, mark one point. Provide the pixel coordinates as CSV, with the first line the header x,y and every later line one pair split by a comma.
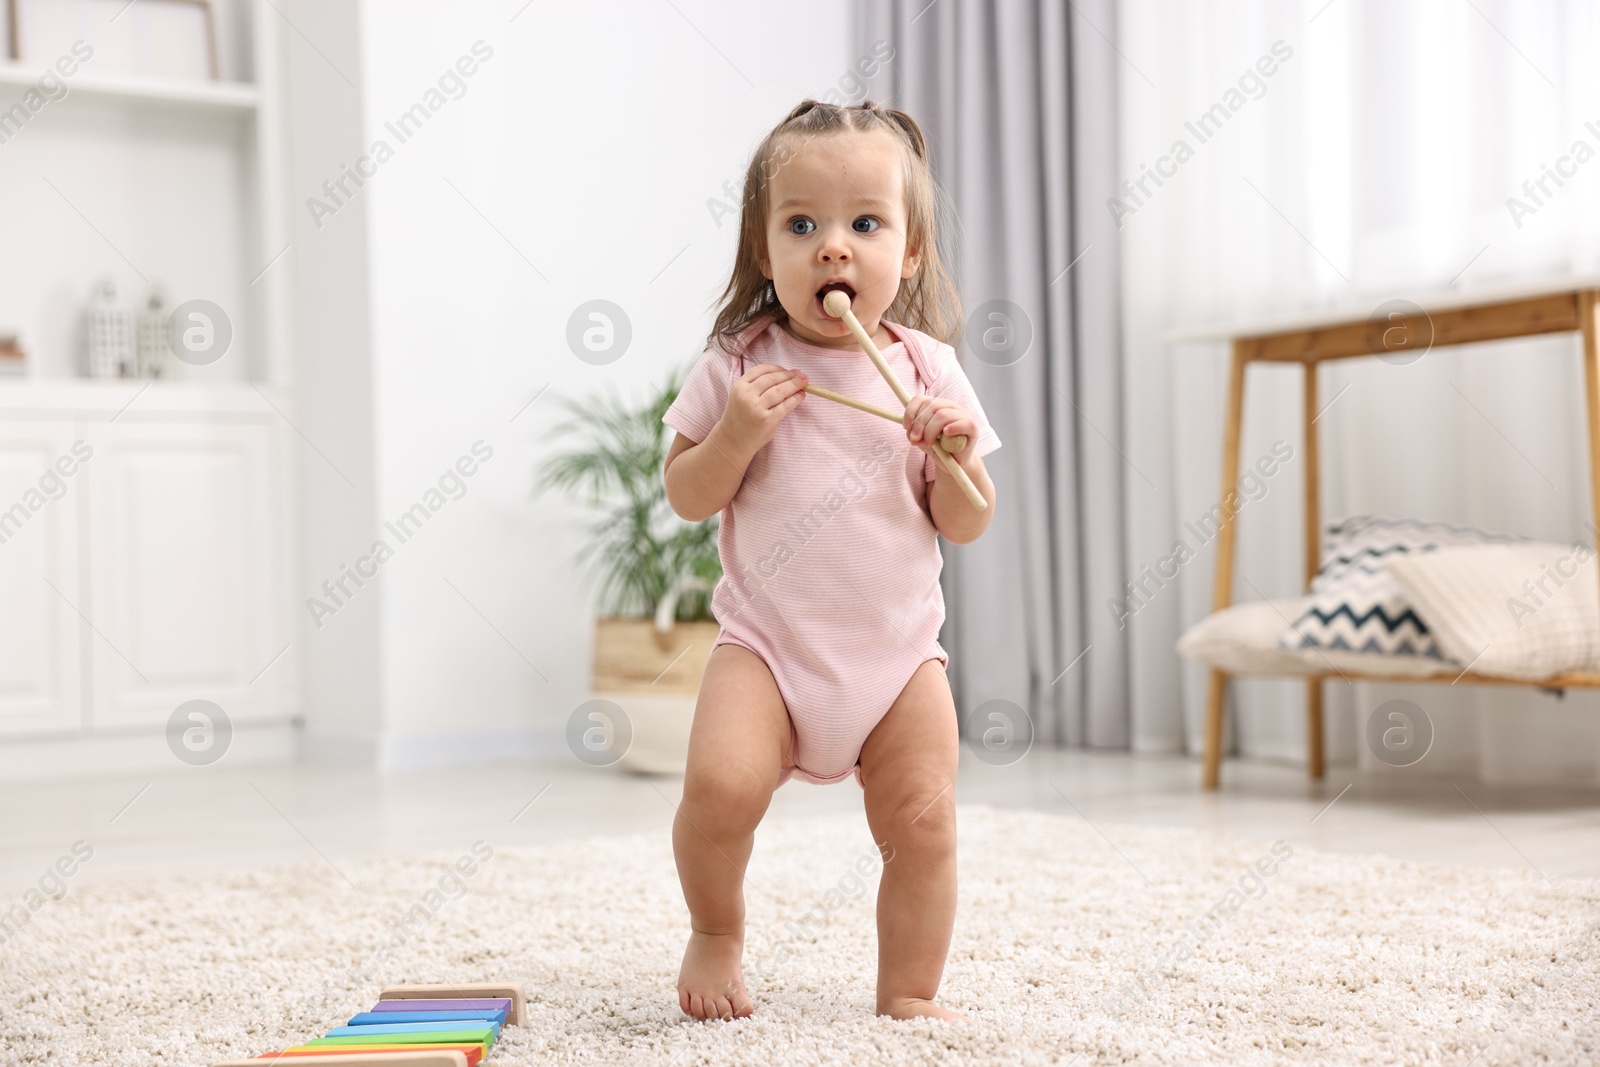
x,y
473,1026
373,1018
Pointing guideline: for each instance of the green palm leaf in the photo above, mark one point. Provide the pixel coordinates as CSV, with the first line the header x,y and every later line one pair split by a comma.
x,y
637,548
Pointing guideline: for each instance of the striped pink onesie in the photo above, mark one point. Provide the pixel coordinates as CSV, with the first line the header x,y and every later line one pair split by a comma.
x,y
830,559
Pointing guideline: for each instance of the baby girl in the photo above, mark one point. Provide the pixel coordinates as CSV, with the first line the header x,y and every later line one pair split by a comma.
x,y
828,660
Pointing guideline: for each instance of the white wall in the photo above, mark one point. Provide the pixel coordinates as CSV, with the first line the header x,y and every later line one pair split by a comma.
x,y
590,141
332,400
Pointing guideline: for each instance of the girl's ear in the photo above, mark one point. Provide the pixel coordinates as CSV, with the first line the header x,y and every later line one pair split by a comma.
x,y
912,261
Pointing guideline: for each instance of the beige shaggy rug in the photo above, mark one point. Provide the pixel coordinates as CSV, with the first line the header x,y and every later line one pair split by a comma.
x,y
1146,945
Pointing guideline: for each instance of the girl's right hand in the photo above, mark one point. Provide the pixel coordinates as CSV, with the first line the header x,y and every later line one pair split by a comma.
x,y
758,401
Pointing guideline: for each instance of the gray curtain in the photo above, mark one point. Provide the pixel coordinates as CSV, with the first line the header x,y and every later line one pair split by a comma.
x,y
1018,101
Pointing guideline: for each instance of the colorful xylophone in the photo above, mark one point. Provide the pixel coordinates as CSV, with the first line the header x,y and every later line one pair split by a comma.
x,y
412,1026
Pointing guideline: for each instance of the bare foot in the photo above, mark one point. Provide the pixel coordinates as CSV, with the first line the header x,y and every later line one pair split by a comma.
x,y
912,1007
711,982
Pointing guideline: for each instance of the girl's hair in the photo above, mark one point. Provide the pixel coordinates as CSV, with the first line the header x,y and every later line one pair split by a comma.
x,y
927,301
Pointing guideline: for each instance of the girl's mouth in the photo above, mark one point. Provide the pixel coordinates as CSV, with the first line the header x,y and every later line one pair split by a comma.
x,y
844,287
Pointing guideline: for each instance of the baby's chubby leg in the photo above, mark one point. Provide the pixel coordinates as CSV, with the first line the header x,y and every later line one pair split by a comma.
x,y
737,745
908,774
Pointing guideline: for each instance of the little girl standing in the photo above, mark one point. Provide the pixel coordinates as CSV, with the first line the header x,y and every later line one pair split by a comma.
x,y
828,660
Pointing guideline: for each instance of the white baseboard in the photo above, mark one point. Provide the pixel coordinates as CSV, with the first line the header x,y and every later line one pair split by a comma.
x,y
395,750
345,750
466,748
100,755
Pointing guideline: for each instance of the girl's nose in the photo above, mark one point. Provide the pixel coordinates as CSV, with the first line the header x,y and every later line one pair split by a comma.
x,y
835,249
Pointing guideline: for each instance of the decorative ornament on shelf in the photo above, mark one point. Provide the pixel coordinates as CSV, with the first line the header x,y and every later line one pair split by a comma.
x,y
108,333
154,355
13,360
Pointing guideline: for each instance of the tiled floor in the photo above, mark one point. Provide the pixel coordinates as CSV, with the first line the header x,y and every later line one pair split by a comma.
x,y
216,819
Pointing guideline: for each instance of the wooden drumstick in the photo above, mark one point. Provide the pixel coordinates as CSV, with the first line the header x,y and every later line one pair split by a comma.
x,y
953,443
852,402
837,304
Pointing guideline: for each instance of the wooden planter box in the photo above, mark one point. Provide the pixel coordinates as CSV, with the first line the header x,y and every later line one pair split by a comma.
x,y
655,678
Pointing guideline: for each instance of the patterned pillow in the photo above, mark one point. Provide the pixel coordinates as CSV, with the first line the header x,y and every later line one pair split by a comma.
x,y
1356,606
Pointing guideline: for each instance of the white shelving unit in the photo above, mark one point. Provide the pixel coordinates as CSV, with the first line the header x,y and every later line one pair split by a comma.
x,y
165,571
235,98
182,166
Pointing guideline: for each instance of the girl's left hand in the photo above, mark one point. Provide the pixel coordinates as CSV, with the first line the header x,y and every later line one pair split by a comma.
x,y
927,418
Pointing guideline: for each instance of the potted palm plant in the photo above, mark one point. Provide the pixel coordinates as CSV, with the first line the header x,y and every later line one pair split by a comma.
x,y
656,572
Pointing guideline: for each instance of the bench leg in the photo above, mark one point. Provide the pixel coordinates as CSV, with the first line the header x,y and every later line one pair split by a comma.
x,y
1215,696
1314,765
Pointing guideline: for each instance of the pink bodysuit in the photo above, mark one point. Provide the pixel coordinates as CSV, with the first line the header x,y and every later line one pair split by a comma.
x,y
830,559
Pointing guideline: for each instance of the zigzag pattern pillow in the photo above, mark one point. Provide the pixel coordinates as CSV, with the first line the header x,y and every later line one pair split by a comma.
x,y
1355,606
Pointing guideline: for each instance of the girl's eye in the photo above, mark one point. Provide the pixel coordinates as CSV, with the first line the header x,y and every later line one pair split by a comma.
x,y
801,221
869,219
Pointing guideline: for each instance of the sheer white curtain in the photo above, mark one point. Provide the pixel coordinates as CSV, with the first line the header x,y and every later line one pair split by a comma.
x,y
1373,162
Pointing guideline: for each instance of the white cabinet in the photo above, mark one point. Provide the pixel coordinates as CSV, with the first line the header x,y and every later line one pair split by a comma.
x,y
144,558
41,658
183,555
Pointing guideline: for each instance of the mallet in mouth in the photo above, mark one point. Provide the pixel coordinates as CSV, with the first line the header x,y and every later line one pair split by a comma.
x,y
837,304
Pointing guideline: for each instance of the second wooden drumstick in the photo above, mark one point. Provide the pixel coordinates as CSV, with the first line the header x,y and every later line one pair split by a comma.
x,y
837,304
953,443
